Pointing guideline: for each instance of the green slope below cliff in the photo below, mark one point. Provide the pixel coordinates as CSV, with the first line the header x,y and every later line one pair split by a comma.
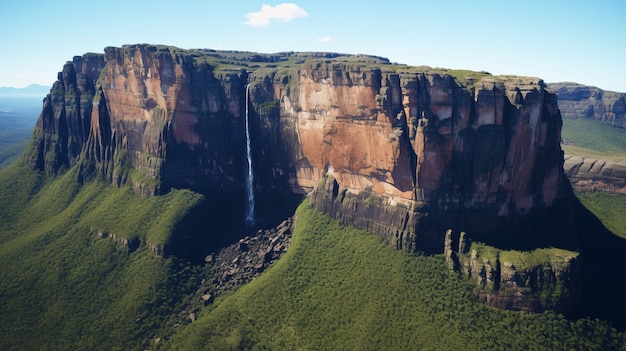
x,y
609,208
593,139
62,287
594,136
338,288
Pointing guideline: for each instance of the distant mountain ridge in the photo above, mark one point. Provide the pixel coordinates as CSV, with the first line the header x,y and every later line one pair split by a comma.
x,y
33,89
578,100
597,109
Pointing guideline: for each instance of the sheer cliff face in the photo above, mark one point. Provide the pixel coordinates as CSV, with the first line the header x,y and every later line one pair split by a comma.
x,y
346,126
64,124
163,121
403,152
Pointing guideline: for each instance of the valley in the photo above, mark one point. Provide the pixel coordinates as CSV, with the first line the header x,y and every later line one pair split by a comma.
x,y
18,114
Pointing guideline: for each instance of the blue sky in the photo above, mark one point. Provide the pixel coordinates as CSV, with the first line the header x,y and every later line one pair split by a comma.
x,y
579,41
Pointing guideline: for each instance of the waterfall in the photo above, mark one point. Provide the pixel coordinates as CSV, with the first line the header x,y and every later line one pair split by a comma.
x,y
249,176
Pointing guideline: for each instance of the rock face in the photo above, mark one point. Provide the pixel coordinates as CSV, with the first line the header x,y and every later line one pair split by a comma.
x,y
405,152
65,121
594,174
480,156
577,100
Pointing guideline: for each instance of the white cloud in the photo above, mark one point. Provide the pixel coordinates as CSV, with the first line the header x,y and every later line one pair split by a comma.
x,y
284,12
324,39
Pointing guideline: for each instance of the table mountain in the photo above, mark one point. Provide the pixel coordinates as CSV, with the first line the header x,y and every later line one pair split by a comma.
x,y
405,152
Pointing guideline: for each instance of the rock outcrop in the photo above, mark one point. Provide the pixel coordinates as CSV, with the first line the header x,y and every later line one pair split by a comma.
x,y
577,100
596,174
405,152
530,281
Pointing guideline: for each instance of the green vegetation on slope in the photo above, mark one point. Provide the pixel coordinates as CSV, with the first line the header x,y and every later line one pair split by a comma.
x,y
9,152
522,259
338,288
18,114
62,287
590,138
31,206
594,135
609,208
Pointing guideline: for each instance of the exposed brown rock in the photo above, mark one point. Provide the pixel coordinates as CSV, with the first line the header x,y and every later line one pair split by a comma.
x,y
595,174
408,152
63,126
477,157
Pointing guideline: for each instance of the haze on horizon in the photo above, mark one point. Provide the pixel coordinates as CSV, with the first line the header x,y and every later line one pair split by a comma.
x,y
575,41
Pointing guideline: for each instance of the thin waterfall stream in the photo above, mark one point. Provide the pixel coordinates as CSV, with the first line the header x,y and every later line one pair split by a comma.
x,y
249,176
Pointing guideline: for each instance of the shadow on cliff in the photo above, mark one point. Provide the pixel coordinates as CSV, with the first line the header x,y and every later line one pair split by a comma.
x,y
543,227
603,258
602,254
569,225
220,220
